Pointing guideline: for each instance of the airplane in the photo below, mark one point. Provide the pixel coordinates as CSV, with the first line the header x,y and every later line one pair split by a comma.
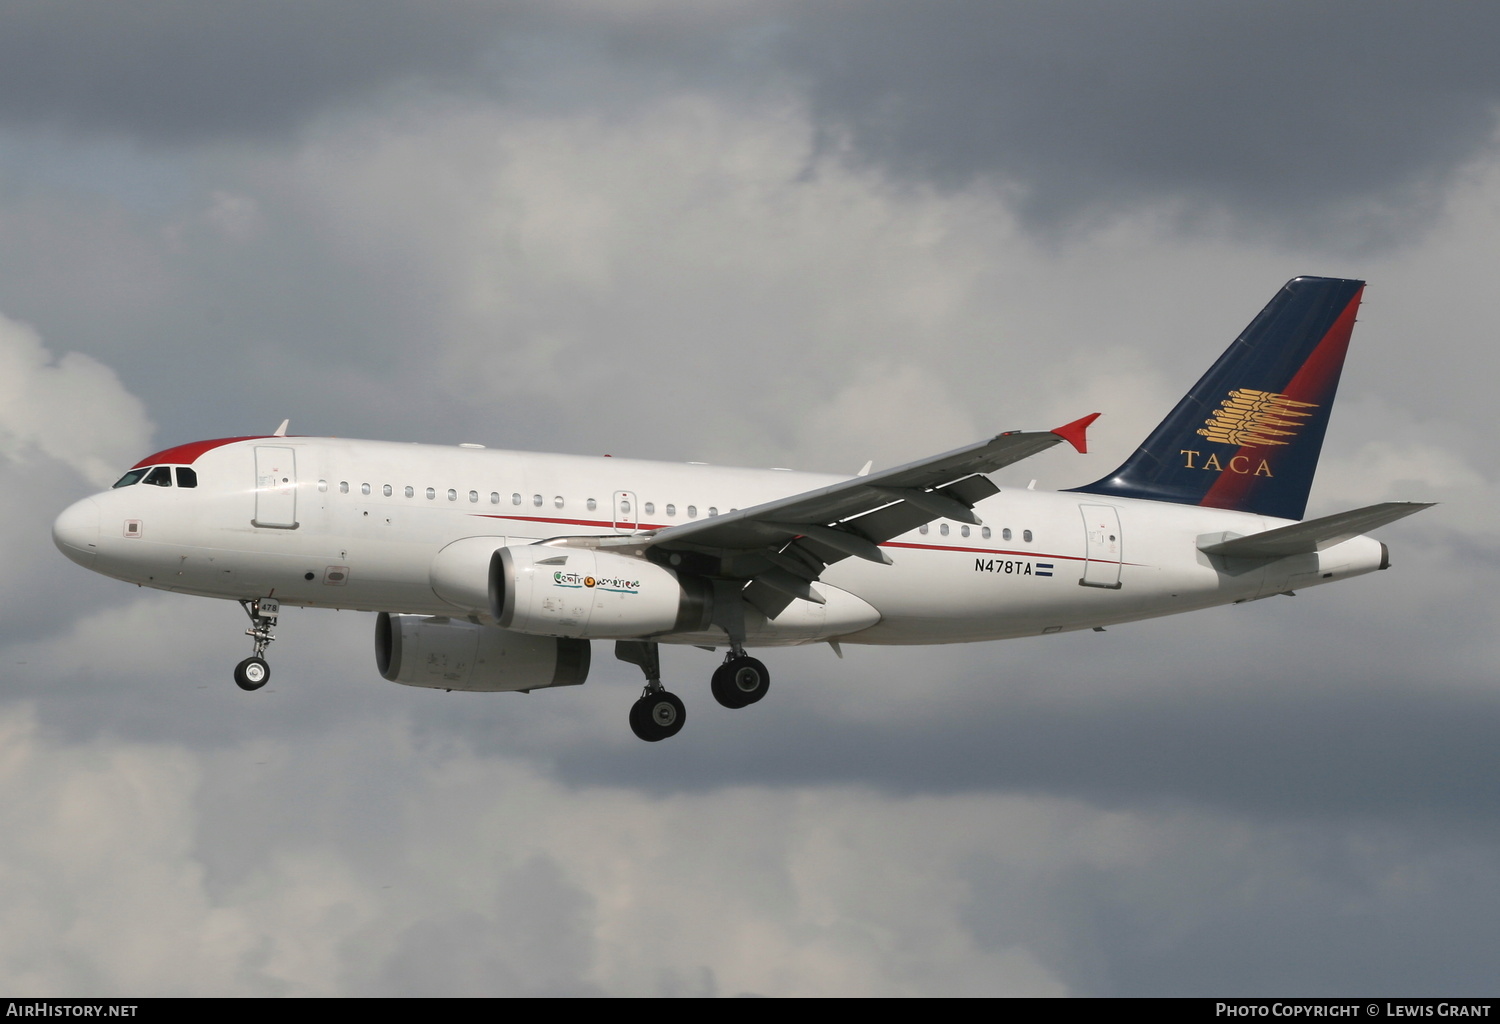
x,y
494,570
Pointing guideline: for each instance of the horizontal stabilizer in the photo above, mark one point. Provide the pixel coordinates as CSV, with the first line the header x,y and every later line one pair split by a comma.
x,y
1315,534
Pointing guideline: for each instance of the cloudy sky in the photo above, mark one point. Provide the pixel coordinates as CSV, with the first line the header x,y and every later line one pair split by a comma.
x,y
754,233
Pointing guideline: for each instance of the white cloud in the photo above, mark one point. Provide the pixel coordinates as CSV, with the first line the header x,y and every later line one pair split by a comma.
x,y
108,880
72,409
424,867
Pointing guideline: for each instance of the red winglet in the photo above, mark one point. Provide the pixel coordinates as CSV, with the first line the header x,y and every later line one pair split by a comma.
x,y
1074,433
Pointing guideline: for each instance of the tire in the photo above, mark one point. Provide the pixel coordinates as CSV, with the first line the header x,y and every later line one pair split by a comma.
x,y
740,682
657,716
252,674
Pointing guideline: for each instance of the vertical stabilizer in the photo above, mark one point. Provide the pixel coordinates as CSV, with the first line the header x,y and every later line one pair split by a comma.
x,y
1248,435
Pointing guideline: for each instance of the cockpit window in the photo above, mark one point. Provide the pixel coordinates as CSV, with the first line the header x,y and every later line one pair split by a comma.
x,y
159,476
133,476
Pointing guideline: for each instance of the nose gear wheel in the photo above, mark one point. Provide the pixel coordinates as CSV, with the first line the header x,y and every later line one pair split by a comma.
x,y
254,672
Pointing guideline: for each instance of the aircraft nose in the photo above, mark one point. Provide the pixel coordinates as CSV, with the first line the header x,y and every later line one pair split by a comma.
x,y
76,532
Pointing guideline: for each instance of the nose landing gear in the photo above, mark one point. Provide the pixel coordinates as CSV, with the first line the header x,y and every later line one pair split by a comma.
x,y
253,672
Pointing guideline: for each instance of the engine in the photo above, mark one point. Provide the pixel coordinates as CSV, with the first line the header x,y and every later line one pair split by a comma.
x,y
450,654
584,592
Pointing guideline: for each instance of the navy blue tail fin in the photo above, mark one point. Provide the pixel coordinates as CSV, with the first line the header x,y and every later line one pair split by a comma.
x,y
1248,435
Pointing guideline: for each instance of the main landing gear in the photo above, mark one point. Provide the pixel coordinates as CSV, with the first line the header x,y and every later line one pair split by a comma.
x,y
253,672
740,681
658,714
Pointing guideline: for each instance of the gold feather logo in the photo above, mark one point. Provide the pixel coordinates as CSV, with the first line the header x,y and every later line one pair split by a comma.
x,y
1249,417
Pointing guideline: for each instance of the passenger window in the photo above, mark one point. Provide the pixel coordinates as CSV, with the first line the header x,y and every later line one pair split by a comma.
x,y
592,504
943,529
322,486
557,502
922,528
494,497
410,491
364,488
536,499
692,511
386,490
515,499
452,494
160,476
963,531
343,487
712,511
985,533
1026,536
650,508
473,496
671,510
188,477
1005,533
431,494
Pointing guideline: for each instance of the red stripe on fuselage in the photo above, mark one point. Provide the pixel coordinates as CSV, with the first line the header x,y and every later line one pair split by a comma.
x,y
600,523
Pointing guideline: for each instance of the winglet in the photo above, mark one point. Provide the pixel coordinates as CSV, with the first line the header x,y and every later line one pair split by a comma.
x,y
281,430
1074,432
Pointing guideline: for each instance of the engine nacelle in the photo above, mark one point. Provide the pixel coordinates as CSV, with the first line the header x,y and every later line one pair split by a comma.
x,y
450,654
460,574
584,592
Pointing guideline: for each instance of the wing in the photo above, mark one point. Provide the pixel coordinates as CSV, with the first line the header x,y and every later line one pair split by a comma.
x,y
780,547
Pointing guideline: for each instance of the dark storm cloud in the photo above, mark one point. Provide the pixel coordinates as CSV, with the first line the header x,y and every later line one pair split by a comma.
x,y
1268,109
177,71
1335,910
1313,755
1307,117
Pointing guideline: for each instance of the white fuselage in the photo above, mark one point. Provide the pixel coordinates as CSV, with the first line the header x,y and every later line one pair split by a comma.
x,y
323,522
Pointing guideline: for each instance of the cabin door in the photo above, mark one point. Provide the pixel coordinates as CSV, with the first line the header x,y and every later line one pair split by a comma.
x,y
275,488
1101,531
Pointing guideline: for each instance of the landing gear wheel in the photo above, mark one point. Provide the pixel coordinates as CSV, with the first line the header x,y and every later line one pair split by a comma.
x,y
252,673
656,716
740,682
